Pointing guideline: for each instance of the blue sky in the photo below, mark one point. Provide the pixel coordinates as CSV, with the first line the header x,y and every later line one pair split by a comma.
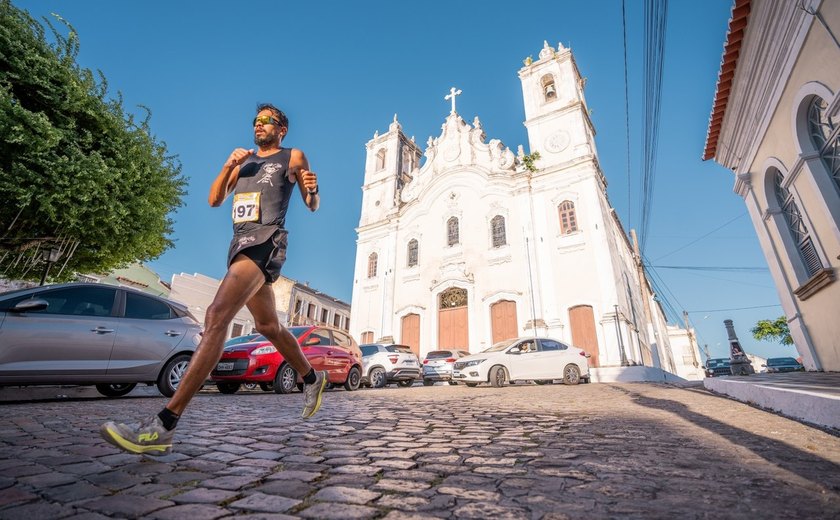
x,y
341,70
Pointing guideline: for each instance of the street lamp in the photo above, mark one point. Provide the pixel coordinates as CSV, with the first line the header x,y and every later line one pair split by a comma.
x,y
50,256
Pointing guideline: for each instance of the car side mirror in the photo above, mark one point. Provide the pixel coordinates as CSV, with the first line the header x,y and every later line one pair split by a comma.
x,y
312,341
515,350
30,306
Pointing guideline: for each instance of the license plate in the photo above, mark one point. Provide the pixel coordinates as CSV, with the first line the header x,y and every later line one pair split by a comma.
x,y
224,367
408,362
456,373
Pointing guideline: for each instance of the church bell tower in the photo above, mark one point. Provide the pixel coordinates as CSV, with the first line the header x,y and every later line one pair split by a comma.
x,y
556,115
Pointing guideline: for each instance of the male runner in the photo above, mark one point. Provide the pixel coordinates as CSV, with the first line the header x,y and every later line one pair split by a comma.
x,y
262,184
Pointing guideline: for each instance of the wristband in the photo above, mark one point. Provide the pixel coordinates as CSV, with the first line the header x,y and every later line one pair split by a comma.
x,y
313,192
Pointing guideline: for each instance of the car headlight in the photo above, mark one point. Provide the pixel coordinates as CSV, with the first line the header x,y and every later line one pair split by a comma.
x,y
264,350
474,362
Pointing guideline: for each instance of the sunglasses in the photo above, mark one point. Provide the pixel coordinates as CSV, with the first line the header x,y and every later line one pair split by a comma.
x,y
266,120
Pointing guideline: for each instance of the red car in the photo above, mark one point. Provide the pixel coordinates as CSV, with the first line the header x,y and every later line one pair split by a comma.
x,y
257,361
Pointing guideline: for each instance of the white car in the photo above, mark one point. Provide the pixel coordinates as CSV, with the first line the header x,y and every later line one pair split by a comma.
x,y
538,359
385,364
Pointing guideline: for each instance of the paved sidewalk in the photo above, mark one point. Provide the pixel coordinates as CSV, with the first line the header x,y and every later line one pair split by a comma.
x,y
531,452
812,397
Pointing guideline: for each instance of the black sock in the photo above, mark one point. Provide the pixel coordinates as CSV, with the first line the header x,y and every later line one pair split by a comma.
x,y
310,377
168,418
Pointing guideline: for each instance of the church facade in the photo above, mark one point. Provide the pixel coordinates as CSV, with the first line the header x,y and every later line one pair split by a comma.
x,y
480,244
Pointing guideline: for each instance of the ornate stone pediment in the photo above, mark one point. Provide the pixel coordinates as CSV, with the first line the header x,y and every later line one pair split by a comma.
x,y
459,144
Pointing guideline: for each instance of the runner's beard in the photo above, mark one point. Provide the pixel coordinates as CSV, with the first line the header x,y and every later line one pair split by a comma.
x,y
265,139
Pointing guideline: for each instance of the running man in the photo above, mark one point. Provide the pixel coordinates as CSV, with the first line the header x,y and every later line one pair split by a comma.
x,y
262,183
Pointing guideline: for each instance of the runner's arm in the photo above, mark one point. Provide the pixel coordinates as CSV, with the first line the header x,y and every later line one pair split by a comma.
x,y
226,180
307,180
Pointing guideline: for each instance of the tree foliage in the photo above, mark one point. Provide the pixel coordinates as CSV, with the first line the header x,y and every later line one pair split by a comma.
x,y
773,330
74,166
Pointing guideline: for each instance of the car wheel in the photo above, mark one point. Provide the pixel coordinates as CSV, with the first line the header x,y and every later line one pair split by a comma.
x,y
354,377
267,387
428,382
171,375
406,384
471,385
249,386
377,378
115,389
497,376
227,388
571,375
285,380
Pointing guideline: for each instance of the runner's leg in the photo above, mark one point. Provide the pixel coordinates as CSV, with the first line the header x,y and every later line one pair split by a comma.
x,y
242,280
262,307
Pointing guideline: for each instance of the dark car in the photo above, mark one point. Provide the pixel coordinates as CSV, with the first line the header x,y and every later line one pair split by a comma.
x,y
258,361
94,334
717,367
783,364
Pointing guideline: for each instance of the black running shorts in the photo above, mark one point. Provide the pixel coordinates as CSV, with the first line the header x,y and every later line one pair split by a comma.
x,y
269,253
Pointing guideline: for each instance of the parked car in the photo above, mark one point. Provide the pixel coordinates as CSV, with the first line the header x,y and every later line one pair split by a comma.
x,y
439,364
385,364
539,359
716,367
258,361
783,364
94,334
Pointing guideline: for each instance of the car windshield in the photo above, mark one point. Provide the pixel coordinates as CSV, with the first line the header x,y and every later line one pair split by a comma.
x,y
250,338
438,354
398,348
722,362
782,361
498,347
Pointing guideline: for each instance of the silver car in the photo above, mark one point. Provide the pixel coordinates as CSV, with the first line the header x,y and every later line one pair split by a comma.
x,y
439,364
384,364
94,334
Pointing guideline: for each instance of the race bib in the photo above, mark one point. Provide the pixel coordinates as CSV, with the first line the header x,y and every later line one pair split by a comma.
x,y
246,207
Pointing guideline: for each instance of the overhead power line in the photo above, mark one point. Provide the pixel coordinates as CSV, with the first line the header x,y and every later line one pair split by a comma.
x,y
701,237
656,12
711,268
736,308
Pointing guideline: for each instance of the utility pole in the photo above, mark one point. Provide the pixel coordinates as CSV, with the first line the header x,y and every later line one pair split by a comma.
x,y
691,340
647,356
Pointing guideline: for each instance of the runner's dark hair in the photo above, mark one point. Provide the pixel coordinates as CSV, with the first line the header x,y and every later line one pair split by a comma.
x,y
284,121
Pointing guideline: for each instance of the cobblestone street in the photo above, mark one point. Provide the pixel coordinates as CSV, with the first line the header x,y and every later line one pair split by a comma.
x,y
523,451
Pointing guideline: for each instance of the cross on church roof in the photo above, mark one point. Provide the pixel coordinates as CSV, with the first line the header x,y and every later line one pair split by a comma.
x,y
452,93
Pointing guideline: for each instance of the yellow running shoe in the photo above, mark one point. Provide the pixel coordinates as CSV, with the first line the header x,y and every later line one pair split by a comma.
x,y
149,437
312,394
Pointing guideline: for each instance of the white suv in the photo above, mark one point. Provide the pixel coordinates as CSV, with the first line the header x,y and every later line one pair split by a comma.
x,y
383,364
537,359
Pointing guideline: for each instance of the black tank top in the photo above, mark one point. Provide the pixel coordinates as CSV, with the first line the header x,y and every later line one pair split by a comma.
x,y
262,192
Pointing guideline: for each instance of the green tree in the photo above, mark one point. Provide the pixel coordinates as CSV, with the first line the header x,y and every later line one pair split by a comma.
x,y
773,330
75,169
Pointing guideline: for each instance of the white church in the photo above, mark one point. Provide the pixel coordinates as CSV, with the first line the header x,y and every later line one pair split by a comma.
x,y
480,244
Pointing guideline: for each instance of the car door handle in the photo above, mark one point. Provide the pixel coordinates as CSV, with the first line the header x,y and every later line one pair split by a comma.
x,y
172,333
101,330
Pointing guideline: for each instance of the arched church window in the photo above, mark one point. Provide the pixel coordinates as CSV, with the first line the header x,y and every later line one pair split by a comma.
x,y
413,247
549,90
407,161
796,226
497,229
380,159
823,133
372,260
568,218
452,237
